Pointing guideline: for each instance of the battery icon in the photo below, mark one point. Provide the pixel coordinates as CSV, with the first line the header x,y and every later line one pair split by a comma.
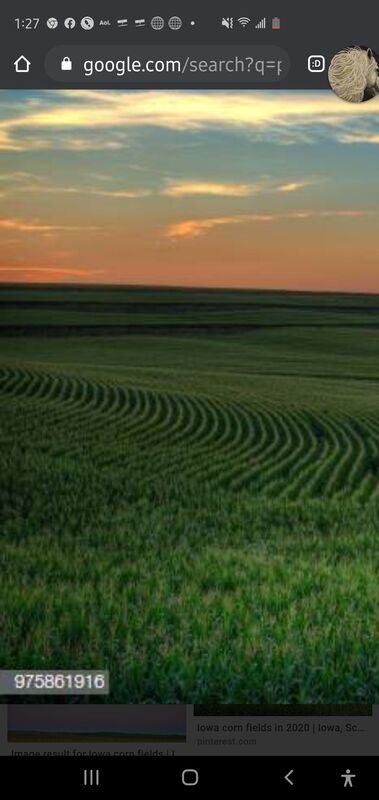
x,y
275,25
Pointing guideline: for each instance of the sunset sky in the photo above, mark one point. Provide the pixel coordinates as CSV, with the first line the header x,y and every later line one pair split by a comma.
x,y
237,188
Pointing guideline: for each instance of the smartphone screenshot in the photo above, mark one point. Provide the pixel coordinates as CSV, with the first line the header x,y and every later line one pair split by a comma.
x,y
189,397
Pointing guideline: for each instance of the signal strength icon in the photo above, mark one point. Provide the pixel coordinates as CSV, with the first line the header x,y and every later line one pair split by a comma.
x,y
244,21
261,25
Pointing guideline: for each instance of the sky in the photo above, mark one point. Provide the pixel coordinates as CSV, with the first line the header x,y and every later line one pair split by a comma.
x,y
265,189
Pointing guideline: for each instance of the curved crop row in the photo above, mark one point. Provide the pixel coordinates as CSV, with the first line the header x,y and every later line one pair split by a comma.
x,y
264,448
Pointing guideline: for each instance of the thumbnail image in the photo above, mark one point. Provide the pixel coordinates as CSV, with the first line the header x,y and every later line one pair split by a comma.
x,y
96,723
189,406
295,710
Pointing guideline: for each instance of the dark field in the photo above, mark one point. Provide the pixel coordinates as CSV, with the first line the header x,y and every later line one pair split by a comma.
x,y
190,491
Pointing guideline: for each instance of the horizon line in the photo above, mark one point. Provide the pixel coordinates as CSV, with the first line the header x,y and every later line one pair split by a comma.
x,y
179,287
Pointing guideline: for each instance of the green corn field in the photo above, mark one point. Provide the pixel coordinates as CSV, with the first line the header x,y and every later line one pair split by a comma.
x,y
189,491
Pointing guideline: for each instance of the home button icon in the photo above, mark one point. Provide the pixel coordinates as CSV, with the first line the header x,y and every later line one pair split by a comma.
x,y
22,64
190,777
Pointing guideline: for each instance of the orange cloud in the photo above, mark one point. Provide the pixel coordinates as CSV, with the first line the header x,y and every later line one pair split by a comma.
x,y
35,226
52,270
23,225
196,227
191,228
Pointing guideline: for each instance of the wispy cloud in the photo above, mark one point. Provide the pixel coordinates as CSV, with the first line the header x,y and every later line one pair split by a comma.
x,y
91,119
36,226
15,137
101,176
359,138
116,193
293,187
52,271
188,188
191,228
227,189
19,176
176,189
131,194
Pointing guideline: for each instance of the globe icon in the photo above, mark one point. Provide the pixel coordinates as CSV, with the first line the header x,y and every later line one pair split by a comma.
x,y
157,23
175,23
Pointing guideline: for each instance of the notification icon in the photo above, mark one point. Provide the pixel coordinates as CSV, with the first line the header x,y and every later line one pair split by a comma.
x,y
87,23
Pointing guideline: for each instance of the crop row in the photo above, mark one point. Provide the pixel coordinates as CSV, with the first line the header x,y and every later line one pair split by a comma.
x,y
268,449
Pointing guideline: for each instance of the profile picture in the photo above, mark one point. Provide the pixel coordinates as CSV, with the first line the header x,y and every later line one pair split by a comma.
x,y
354,74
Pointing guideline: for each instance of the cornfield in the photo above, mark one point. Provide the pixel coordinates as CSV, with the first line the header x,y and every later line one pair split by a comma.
x,y
190,492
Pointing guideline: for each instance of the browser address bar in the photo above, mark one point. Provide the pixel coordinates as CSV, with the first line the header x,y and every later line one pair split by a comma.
x,y
133,64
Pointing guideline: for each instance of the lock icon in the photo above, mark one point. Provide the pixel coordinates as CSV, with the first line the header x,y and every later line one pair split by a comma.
x,y
66,63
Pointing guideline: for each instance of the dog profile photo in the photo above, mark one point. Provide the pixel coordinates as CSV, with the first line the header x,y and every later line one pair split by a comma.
x,y
354,74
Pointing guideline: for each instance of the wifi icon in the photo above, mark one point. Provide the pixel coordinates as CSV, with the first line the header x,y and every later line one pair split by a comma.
x,y
244,21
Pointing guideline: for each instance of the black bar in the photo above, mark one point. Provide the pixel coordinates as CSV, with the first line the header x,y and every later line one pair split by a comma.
x,y
193,777
306,30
